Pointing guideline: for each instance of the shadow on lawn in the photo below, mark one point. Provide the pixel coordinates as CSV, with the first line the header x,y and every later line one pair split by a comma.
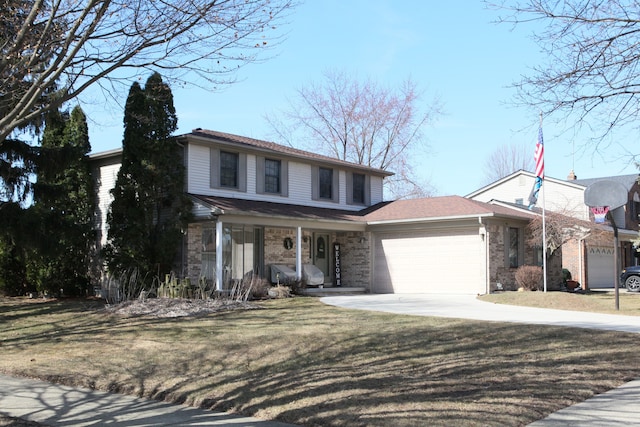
x,y
427,373
324,366
466,374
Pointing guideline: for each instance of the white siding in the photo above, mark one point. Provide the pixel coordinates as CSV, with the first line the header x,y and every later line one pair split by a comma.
x,y
299,183
251,174
376,189
199,182
105,181
558,197
198,166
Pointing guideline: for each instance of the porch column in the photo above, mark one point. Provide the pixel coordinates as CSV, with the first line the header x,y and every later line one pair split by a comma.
x,y
299,254
219,272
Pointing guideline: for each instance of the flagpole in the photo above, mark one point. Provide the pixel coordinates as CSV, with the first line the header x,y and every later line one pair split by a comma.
x,y
544,232
533,198
544,243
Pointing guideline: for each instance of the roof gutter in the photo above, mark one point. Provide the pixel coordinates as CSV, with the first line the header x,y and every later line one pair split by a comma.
x,y
431,219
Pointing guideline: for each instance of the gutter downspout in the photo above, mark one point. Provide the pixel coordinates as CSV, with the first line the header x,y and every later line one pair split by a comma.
x,y
484,235
219,275
299,254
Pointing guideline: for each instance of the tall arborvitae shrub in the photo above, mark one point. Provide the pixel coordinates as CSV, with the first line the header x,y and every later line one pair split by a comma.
x,y
149,208
64,204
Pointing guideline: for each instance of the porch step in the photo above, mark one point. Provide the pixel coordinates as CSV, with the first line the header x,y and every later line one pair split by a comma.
x,y
337,290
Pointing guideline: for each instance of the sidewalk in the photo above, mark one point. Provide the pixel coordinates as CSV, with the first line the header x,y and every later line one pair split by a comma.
x,y
617,407
56,405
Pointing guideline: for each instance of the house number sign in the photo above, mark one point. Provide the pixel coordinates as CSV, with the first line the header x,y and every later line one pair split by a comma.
x,y
337,281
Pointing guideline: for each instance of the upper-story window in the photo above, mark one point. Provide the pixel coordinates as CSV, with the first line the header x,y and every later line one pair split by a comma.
x,y
228,169
326,183
272,176
358,188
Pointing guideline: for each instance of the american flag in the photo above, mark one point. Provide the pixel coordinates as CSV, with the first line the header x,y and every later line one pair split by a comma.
x,y
539,159
539,156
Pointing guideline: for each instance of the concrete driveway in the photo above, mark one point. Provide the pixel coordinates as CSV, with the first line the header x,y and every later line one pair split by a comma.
x,y
618,407
464,306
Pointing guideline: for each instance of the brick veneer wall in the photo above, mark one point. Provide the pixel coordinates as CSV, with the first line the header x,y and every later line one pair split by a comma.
x,y
356,255
571,260
194,251
499,272
356,269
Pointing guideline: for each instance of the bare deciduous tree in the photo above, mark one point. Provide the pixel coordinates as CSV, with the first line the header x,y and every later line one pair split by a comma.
x,y
54,50
361,122
562,227
507,159
591,74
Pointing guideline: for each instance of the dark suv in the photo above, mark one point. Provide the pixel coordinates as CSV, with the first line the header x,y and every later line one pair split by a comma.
x,y
630,276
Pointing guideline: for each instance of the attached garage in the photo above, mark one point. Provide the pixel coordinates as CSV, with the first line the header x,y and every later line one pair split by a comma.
x,y
600,267
431,261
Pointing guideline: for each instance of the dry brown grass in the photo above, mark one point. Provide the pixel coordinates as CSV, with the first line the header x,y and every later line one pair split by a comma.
x,y
299,361
593,301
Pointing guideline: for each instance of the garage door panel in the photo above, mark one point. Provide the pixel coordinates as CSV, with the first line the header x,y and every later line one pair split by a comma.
x,y
600,267
426,262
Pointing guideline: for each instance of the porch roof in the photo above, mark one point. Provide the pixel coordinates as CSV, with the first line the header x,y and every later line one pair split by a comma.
x,y
230,206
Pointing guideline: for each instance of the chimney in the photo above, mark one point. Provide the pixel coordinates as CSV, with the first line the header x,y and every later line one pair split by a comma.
x,y
572,176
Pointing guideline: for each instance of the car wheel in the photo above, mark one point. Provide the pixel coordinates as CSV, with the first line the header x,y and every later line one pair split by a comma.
x,y
632,283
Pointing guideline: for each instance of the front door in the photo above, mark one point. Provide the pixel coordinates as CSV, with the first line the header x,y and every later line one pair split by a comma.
x,y
321,254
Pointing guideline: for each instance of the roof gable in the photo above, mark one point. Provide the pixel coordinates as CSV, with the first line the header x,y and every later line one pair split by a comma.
x,y
516,175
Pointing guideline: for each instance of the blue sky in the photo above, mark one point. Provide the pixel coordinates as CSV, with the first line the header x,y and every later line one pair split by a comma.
x,y
452,50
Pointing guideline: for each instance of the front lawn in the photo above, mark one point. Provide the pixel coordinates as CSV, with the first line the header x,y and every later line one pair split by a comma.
x,y
300,361
597,301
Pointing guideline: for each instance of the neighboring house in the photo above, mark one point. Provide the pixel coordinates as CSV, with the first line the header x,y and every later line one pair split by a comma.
x,y
258,204
590,261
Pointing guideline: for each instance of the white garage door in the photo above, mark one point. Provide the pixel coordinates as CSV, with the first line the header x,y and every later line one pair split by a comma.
x,y
600,267
429,262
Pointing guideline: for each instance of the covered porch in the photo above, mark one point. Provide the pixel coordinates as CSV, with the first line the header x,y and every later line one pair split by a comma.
x,y
233,239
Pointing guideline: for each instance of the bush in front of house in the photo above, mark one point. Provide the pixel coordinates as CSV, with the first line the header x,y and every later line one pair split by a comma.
x,y
529,277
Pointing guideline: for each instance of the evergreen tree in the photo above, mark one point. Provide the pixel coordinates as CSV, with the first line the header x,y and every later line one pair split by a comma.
x,y
63,203
149,208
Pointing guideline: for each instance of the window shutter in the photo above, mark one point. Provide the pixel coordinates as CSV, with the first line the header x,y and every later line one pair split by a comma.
x,y
335,193
214,170
367,190
242,172
260,175
315,183
284,178
350,188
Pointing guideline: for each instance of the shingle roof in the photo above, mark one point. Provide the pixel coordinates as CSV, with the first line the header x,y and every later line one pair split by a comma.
x,y
440,207
282,149
626,180
260,208
449,207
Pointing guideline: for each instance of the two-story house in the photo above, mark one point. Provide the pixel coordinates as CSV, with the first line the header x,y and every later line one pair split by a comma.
x,y
590,261
258,204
